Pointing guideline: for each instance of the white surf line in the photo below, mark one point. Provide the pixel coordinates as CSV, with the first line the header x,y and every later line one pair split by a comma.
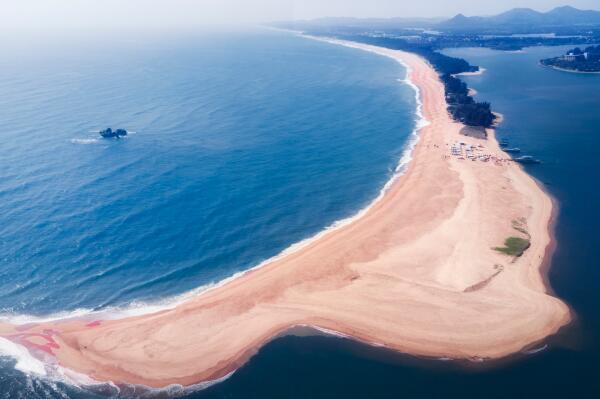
x,y
141,308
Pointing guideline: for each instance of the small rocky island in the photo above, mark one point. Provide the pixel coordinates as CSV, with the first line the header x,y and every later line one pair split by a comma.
x,y
577,60
109,133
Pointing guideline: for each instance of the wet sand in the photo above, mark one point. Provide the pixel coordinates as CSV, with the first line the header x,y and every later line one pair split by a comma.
x,y
416,273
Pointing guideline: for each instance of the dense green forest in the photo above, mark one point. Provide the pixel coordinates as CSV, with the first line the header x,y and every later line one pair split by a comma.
x,y
587,60
461,106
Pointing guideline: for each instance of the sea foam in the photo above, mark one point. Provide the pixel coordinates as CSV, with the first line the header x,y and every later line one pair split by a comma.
x,y
85,141
25,361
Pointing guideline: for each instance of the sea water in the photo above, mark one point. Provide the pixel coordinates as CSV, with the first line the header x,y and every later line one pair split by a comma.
x,y
241,145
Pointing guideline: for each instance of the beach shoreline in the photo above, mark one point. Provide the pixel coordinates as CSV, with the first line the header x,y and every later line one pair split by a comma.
x,y
569,70
408,255
479,72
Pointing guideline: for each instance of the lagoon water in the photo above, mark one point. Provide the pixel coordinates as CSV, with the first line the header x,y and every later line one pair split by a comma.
x,y
245,144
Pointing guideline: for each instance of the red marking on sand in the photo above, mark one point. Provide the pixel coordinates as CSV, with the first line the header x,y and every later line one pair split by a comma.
x,y
46,335
94,323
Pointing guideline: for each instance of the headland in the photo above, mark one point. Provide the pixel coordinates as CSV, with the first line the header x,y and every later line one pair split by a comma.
x,y
586,61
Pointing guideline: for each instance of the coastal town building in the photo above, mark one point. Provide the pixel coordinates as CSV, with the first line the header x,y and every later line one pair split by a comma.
x,y
574,57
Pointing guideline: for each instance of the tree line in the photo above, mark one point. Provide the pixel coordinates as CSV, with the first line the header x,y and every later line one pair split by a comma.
x,y
461,106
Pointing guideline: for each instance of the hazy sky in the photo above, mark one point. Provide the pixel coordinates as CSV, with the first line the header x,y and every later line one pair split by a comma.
x,y
62,14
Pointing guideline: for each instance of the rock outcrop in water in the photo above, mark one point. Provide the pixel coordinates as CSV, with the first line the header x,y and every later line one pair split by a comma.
x,y
109,133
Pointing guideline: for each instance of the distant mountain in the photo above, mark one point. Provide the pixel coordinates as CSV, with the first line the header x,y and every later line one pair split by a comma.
x,y
524,18
360,23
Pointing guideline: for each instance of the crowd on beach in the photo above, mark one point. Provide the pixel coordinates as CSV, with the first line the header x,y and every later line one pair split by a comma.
x,y
463,151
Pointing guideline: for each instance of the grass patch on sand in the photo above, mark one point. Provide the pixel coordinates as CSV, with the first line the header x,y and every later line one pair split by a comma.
x,y
514,246
520,225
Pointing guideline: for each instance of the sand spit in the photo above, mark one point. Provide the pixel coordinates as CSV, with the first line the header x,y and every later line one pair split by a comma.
x,y
416,272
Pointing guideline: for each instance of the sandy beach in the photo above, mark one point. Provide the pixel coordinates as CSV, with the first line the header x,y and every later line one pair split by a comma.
x,y
417,272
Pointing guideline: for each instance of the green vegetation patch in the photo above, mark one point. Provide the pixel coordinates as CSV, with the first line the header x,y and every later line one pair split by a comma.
x,y
514,246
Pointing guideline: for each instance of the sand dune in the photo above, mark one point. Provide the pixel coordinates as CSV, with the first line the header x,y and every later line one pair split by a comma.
x,y
416,273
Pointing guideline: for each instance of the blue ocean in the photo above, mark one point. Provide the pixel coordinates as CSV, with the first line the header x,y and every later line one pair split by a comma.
x,y
242,144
